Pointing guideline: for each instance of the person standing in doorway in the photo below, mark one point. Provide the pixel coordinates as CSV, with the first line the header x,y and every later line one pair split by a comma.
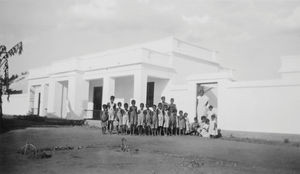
x,y
202,103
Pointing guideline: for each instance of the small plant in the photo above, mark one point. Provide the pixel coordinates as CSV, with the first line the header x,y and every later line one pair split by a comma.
x,y
286,140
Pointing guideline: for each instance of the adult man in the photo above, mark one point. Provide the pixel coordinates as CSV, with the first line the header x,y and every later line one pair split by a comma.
x,y
202,103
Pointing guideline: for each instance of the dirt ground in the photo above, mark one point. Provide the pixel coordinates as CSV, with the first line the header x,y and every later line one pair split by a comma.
x,y
102,154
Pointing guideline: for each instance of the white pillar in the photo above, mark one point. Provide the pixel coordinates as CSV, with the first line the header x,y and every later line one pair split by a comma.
x,y
42,101
140,87
108,88
81,97
191,98
30,97
51,110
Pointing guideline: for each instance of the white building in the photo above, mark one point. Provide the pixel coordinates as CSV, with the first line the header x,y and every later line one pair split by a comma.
x,y
169,67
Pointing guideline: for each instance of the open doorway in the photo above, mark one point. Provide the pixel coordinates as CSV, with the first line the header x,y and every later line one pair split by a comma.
x,y
207,103
150,94
97,100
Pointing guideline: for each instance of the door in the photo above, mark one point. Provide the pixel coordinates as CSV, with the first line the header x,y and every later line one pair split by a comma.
x,y
97,100
150,93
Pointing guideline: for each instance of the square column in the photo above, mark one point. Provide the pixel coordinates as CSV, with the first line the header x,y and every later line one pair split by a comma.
x,y
43,102
108,89
52,98
140,87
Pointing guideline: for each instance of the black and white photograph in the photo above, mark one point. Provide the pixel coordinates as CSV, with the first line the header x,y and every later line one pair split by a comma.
x,y
149,86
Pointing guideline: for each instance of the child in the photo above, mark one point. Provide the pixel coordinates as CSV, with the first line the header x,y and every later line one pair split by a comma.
x,y
219,134
119,117
213,127
187,123
112,102
181,123
140,121
173,121
132,117
194,127
177,124
148,121
104,118
167,120
163,102
204,131
154,124
202,123
111,117
125,121
160,118
211,111
172,106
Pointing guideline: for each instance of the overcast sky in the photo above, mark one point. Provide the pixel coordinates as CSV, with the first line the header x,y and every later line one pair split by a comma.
x,y
250,36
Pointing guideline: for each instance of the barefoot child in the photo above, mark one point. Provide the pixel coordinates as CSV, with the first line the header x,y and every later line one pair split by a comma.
x,y
213,126
177,124
173,121
140,120
181,123
125,121
167,120
160,118
120,113
104,118
132,117
154,124
187,123
111,117
148,116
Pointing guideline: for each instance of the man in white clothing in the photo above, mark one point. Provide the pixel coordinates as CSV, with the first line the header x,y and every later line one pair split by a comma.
x,y
202,103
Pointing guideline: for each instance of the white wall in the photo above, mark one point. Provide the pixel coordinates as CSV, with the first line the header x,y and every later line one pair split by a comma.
x,y
124,88
185,66
17,105
260,107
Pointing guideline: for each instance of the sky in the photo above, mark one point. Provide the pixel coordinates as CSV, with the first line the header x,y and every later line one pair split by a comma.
x,y
249,35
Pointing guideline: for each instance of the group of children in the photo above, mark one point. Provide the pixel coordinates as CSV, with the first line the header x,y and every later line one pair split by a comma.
x,y
163,119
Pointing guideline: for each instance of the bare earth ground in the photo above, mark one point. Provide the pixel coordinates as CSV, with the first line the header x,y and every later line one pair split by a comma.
x,y
102,154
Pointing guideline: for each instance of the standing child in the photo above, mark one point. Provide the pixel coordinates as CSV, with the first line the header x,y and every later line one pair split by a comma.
x,y
177,124
173,113
160,118
181,123
167,120
172,110
111,117
172,106
140,122
213,127
211,111
154,124
104,118
148,115
132,117
187,123
163,102
120,113
125,121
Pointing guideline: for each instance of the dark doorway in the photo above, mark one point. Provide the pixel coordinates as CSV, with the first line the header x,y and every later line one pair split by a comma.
x,y
97,100
150,93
